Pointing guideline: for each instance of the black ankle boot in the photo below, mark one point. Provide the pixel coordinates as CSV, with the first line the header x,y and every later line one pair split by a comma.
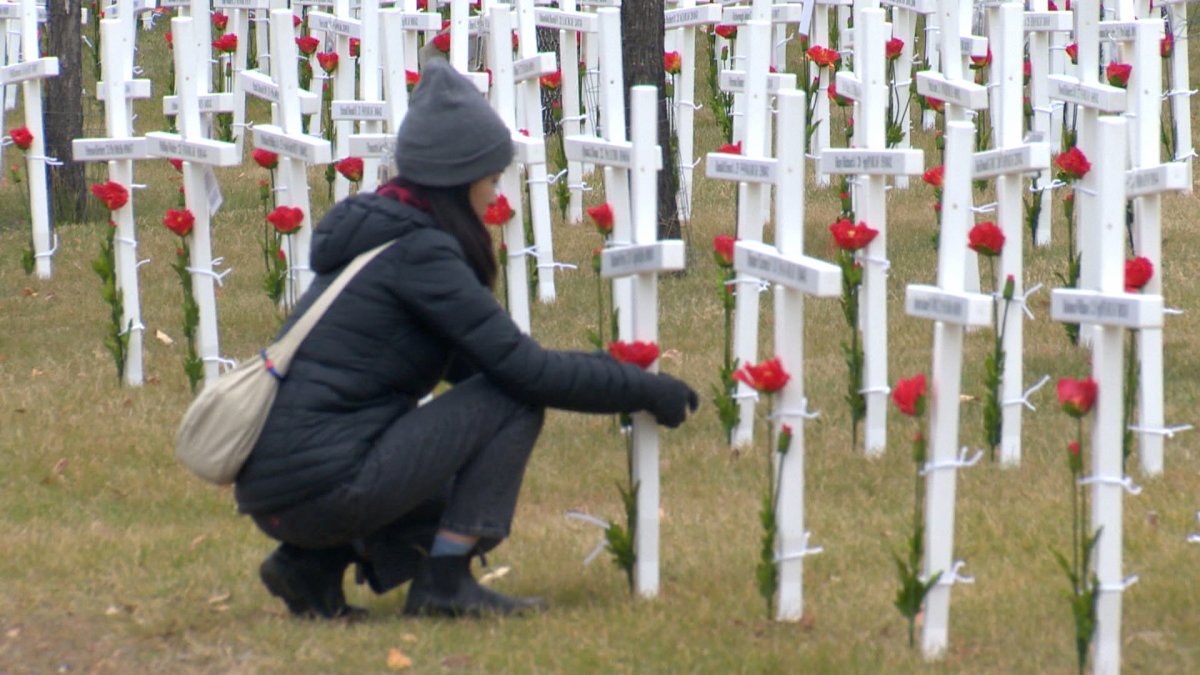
x,y
309,581
444,587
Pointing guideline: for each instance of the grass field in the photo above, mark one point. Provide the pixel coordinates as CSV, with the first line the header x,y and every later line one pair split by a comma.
x,y
118,561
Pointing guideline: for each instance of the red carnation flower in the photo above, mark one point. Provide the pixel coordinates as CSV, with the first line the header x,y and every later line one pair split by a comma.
x,y
219,20
351,168
442,42
981,61
179,221
296,21
355,47
893,48
265,158
1072,164
936,104
935,176
986,239
498,212
723,249
1166,46
1077,396
411,78
1118,74
909,395
21,137
307,44
850,237
328,61
551,81
767,377
1072,51
725,30
823,56
1138,273
640,354
672,63
837,98
286,219
602,215
731,148
170,40
226,44
113,194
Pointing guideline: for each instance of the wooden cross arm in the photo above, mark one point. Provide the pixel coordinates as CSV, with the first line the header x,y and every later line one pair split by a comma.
x,y
1125,310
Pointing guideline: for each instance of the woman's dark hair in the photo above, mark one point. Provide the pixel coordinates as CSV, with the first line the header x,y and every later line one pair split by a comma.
x,y
451,208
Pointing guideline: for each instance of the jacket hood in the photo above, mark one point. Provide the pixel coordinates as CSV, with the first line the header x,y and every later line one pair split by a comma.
x,y
358,224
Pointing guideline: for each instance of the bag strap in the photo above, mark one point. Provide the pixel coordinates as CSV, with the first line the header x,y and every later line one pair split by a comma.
x,y
279,354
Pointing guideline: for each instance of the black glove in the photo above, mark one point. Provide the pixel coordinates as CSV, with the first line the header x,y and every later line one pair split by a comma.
x,y
670,399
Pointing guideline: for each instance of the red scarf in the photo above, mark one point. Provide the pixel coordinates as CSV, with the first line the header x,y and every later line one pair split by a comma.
x,y
394,189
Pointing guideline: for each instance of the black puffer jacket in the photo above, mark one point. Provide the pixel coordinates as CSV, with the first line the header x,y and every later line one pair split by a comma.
x,y
389,339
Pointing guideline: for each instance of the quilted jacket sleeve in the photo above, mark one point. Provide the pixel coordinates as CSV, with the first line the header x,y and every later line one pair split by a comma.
x,y
434,281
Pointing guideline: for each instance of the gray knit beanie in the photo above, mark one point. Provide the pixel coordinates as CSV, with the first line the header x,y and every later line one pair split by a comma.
x,y
450,136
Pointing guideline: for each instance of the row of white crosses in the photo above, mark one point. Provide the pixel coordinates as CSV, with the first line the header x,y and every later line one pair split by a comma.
x,y
681,25
29,71
634,258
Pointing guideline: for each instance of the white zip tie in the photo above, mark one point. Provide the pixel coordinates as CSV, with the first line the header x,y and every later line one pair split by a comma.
x,y
959,462
984,208
885,390
954,576
144,261
1024,400
137,326
1172,311
50,161
1054,184
1168,432
748,394
685,165
690,104
883,262
1023,300
219,276
137,186
1195,538
1120,586
85,39
52,251
1086,191
1049,110
531,250
1180,92
558,265
762,285
581,186
221,361
598,522
554,178
804,412
1187,155
138,70
805,550
127,241
1120,481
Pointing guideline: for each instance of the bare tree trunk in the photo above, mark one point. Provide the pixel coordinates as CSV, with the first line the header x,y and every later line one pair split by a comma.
x,y
642,32
64,110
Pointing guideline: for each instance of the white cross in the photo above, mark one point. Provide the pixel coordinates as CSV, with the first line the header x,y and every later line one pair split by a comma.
x,y
1101,302
342,27
681,25
201,192
1044,28
871,162
30,70
795,275
640,262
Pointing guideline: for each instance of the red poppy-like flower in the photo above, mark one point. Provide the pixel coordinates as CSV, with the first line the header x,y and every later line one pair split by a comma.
x,y
1072,164
307,44
355,47
823,56
286,219
602,215
280,255
551,81
893,48
179,221
981,61
170,40
1138,273
498,212
219,20
1077,396
328,61
113,194
411,78
850,237
1166,46
935,103
516,41
226,44
177,163
909,395
672,63
442,42
837,98
767,377
351,168
935,176
986,239
21,137
725,30
723,249
1073,448
640,354
731,148
296,21
1072,51
422,5
1117,74
265,158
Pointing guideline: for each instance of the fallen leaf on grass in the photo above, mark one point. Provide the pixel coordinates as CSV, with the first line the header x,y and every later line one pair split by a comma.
x,y
36,373
408,637
456,661
163,338
13,632
57,472
1152,518
808,621
219,598
495,574
118,609
28,292
197,541
397,660
153,380
966,398
3,358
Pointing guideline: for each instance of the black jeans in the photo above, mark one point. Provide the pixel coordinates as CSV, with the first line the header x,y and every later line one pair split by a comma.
x,y
455,463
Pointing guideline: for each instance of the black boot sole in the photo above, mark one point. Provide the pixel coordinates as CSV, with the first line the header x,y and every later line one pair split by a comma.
x,y
279,584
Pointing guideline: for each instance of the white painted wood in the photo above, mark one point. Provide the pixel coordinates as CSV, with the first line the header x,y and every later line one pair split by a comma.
x,y
1180,89
35,157
616,181
1037,24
